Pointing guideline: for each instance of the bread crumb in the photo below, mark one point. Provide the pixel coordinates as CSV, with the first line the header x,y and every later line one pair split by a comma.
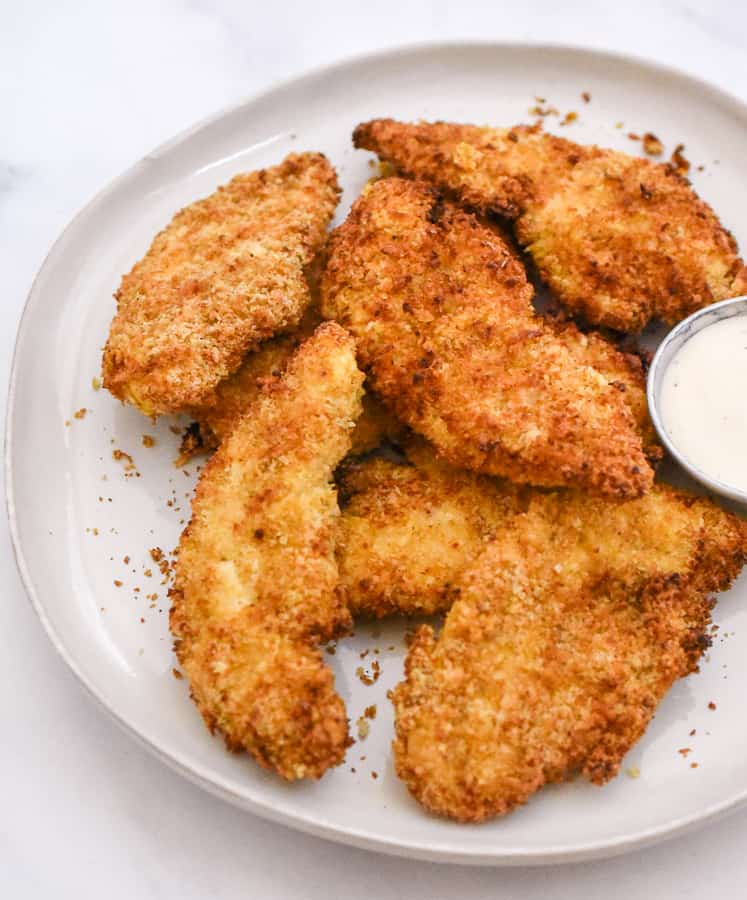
x,y
373,677
177,674
586,97
96,383
678,161
363,727
120,455
117,582
711,705
543,111
634,772
81,413
149,441
684,751
652,145
569,118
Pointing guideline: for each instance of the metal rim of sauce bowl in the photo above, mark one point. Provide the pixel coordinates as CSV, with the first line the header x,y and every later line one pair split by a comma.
x,y
672,343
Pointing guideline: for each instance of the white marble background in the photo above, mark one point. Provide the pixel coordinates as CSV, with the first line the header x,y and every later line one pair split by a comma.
x,y
85,90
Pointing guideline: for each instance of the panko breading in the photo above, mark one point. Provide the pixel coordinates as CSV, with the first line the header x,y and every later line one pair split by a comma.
x,y
235,396
224,275
622,370
568,631
442,315
256,584
408,532
620,240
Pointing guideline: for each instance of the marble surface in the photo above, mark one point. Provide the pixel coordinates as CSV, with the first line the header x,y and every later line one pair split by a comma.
x,y
85,90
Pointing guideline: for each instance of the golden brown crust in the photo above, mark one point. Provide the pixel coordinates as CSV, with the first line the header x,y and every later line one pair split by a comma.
x,y
622,370
224,275
234,396
408,532
620,240
568,630
256,582
442,315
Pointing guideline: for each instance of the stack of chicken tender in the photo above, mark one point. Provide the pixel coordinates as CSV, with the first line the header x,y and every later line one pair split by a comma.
x,y
521,502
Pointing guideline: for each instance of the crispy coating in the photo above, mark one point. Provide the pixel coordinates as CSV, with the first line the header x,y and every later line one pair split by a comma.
x,y
224,275
620,240
622,370
234,396
568,631
256,584
442,315
409,531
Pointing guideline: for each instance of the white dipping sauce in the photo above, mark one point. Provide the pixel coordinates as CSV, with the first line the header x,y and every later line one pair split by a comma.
x,y
703,400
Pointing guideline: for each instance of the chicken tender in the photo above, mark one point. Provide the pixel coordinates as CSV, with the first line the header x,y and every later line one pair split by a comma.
x,y
620,240
408,532
256,585
442,315
568,631
224,275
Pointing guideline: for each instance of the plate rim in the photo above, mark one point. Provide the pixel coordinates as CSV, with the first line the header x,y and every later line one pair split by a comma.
x,y
448,851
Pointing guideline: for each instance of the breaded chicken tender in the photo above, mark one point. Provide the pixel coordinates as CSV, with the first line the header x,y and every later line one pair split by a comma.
x,y
224,275
409,531
442,315
620,240
256,585
568,631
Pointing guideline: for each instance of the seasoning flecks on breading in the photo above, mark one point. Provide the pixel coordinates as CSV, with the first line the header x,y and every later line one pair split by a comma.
x,y
256,587
224,275
619,239
441,311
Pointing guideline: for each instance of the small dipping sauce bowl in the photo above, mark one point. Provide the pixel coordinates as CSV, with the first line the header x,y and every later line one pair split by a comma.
x,y
666,353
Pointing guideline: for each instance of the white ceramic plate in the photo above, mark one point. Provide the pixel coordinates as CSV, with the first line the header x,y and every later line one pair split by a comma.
x,y
76,513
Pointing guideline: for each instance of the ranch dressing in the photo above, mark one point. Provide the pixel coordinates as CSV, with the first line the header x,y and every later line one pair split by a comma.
x,y
703,400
